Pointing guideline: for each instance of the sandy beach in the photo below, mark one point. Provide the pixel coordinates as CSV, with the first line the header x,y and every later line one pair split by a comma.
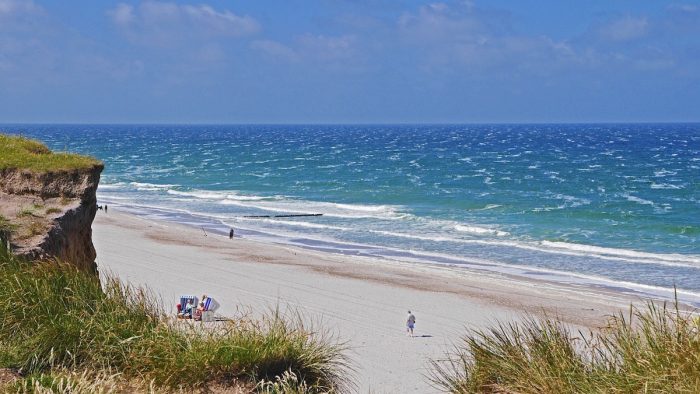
x,y
363,301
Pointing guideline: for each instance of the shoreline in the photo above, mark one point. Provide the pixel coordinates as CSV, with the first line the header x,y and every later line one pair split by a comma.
x,y
361,299
483,262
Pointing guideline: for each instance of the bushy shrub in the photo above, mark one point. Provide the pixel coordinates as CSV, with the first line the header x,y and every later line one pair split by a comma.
x,y
653,349
57,318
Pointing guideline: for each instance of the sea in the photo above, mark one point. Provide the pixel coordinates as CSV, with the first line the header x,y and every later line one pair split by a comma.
x,y
614,206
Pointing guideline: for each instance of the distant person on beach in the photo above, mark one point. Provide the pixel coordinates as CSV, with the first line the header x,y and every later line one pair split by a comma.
x,y
410,323
230,234
198,312
105,208
187,311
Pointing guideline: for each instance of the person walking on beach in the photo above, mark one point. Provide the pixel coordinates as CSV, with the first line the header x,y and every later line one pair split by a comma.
x,y
105,208
410,323
230,234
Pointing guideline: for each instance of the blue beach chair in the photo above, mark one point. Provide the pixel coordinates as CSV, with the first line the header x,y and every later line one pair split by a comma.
x,y
209,307
184,314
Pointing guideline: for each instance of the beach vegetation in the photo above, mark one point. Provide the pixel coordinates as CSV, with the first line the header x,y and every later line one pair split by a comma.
x,y
26,212
52,210
6,227
18,152
655,348
288,383
62,328
35,228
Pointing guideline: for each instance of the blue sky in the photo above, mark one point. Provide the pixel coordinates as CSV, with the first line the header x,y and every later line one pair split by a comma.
x,y
349,61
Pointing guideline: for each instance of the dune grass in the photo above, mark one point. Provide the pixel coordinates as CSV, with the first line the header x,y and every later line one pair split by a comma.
x,y
57,320
6,226
650,350
22,153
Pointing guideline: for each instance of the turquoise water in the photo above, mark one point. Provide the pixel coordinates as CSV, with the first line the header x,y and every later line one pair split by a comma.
x,y
606,205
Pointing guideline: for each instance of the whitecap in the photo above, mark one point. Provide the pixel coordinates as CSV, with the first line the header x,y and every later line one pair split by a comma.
x,y
151,186
638,200
489,206
479,230
665,186
624,253
111,186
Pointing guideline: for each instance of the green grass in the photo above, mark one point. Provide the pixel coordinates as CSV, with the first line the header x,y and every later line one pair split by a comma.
x,y
652,350
6,226
35,228
26,212
23,153
57,319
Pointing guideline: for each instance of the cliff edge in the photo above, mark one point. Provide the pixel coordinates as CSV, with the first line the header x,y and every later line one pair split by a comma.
x,y
47,202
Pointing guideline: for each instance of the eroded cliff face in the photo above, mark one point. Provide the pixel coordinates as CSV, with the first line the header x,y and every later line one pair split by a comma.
x,y
51,213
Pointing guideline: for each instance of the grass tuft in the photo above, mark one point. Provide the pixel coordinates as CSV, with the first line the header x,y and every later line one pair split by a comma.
x,y
52,210
23,153
35,228
57,318
6,227
652,349
26,212
288,383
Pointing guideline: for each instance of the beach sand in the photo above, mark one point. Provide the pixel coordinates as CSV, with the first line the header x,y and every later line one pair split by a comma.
x,y
364,301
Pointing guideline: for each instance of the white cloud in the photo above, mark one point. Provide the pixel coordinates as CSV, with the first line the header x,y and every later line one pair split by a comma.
x,y
337,51
275,49
328,47
166,23
625,29
689,8
11,7
123,14
225,22
453,35
439,22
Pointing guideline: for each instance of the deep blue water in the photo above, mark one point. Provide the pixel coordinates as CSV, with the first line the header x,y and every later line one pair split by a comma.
x,y
613,205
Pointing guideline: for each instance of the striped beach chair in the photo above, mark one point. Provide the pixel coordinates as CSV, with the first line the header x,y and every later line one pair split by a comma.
x,y
210,310
209,306
183,303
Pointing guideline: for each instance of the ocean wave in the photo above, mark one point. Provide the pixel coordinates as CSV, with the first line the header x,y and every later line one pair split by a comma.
x,y
625,253
413,236
489,206
279,203
218,195
665,186
304,224
479,230
350,211
663,173
145,186
102,197
111,186
638,200
570,201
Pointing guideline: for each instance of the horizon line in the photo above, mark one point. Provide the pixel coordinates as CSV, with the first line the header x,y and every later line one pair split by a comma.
x,y
340,123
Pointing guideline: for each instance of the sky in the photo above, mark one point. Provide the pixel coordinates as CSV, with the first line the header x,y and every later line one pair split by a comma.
x,y
349,61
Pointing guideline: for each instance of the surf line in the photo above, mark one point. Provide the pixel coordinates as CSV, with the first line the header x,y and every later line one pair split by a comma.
x,y
283,216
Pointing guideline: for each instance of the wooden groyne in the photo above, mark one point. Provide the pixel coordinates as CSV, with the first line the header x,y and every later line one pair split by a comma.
x,y
283,216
